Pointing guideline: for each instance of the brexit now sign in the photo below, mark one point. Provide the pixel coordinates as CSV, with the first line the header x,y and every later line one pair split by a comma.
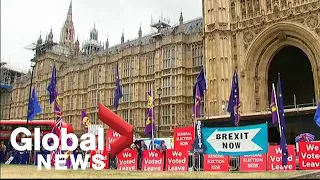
x,y
237,141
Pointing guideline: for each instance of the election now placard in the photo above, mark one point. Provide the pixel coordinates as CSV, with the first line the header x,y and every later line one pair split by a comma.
x,y
251,163
176,160
275,159
183,138
153,160
111,136
215,162
128,160
244,140
309,155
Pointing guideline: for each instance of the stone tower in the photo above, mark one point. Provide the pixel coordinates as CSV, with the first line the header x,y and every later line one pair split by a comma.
x,y
219,64
67,31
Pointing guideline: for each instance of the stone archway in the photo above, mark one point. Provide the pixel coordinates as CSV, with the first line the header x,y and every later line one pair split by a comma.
x,y
261,52
296,75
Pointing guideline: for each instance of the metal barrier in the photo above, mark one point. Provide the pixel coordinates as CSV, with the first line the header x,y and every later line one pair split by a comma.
x,y
196,162
234,162
190,162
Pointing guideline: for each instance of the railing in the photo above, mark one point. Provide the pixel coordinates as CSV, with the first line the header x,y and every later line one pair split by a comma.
x,y
294,106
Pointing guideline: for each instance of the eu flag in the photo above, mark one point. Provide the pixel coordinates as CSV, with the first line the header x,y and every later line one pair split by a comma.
x,y
52,87
317,116
234,100
201,82
283,141
33,106
118,93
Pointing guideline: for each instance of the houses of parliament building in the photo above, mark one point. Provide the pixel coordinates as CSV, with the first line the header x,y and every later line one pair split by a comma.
x,y
257,38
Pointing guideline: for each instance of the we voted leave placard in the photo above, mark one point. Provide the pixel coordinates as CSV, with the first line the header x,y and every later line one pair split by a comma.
x,y
309,155
128,160
245,140
153,160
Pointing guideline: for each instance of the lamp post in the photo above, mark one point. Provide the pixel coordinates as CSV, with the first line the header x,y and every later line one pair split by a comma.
x,y
33,65
159,92
10,105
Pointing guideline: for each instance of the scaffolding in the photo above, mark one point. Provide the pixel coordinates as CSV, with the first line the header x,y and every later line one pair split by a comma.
x,y
8,76
160,24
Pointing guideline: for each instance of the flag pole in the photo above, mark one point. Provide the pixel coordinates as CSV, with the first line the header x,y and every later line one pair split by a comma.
x,y
194,124
276,102
152,136
96,118
152,123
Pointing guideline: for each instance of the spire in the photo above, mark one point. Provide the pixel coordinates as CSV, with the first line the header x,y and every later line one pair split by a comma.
x,y
140,32
181,18
67,31
46,38
181,26
122,37
69,16
107,43
50,36
77,46
39,40
94,33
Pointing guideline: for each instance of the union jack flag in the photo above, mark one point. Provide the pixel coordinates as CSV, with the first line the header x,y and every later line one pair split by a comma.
x,y
57,109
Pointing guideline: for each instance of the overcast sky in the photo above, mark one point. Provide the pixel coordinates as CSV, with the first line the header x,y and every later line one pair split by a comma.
x,y
23,20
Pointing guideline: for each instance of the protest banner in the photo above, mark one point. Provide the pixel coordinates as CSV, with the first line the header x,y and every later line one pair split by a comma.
x,y
111,136
309,155
253,163
236,141
105,159
215,162
183,138
275,159
128,160
152,160
176,160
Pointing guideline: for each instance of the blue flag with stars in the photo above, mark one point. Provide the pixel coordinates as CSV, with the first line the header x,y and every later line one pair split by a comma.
x,y
283,141
118,91
234,100
52,88
33,106
317,116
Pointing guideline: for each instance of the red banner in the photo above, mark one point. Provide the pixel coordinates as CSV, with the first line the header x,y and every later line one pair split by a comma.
x,y
105,160
275,159
128,160
176,160
183,138
309,155
253,163
111,136
152,160
215,162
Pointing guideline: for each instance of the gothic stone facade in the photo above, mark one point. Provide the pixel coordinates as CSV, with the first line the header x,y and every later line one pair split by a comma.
x,y
233,34
169,59
245,35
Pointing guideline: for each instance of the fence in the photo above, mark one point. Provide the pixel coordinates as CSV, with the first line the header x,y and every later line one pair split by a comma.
x,y
195,161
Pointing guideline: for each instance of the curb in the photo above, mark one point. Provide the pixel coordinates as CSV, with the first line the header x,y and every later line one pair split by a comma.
x,y
311,175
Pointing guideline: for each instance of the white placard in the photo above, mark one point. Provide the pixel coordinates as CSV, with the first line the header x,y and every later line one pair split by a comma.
x,y
93,128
